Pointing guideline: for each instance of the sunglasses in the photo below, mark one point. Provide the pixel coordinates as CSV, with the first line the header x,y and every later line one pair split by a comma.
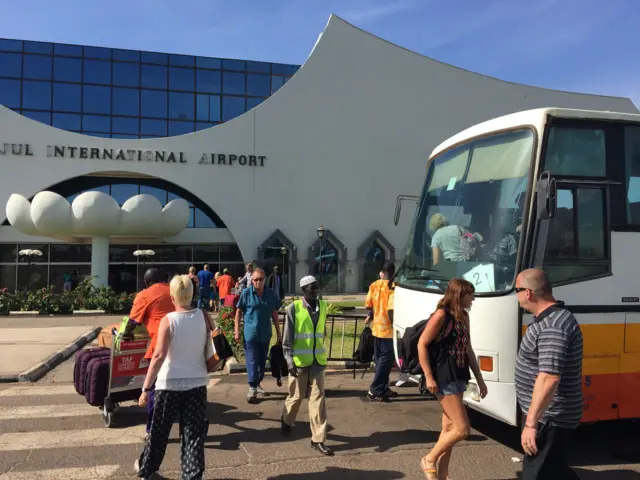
x,y
521,289
259,279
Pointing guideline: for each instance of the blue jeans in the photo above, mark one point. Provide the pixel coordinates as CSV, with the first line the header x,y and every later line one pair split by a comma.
x,y
203,300
255,354
383,357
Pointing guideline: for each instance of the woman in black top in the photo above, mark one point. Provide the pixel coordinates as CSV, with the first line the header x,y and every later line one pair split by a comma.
x,y
446,355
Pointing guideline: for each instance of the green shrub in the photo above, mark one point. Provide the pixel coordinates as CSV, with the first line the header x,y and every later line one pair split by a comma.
x,y
226,322
84,297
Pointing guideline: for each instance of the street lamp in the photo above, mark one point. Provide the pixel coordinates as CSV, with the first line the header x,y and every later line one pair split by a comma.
x,y
144,254
320,236
30,254
283,251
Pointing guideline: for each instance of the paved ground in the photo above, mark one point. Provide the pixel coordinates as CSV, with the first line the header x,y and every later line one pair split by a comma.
x,y
48,432
25,341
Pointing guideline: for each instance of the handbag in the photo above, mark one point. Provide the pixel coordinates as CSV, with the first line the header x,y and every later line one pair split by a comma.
x,y
217,349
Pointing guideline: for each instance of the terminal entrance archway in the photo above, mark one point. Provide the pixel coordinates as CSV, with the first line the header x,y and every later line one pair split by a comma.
x,y
125,270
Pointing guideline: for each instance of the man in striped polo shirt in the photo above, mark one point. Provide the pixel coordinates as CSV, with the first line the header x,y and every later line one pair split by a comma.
x,y
548,379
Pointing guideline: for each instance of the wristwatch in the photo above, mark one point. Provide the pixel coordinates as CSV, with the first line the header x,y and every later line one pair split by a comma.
x,y
145,390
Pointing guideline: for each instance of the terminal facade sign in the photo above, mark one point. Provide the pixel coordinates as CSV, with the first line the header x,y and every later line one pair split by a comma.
x,y
132,155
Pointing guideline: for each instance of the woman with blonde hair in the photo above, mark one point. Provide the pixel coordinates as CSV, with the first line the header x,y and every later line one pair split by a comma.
x,y
179,369
446,355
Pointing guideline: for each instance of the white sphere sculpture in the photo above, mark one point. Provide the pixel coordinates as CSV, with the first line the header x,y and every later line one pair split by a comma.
x,y
18,212
175,215
95,213
51,213
142,213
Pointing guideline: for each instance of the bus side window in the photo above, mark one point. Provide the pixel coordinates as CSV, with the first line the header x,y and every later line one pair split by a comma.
x,y
632,168
576,242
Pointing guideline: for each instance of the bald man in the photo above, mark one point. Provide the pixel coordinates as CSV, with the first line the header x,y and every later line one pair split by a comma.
x,y
149,307
548,379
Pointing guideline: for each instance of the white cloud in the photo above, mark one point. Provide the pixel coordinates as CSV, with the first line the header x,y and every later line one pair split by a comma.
x,y
369,13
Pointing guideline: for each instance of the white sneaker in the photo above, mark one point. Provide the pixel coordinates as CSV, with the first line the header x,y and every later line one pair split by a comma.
x,y
136,466
260,390
252,395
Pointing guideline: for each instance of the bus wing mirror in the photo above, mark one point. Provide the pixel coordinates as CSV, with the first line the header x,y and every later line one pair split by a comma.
x,y
399,200
547,196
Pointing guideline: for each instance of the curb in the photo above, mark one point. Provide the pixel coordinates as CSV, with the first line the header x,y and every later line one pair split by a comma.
x,y
40,369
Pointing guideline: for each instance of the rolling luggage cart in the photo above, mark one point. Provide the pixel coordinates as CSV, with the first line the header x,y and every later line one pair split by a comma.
x,y
127,371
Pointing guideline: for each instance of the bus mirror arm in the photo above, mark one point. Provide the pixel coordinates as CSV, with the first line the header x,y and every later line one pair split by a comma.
x,y
399,200
547,202
547,196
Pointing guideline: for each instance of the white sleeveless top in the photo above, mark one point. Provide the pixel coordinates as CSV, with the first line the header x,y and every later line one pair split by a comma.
x,y
185,366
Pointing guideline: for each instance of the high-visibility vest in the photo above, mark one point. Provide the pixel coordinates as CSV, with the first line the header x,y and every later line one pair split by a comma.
x,y
307,343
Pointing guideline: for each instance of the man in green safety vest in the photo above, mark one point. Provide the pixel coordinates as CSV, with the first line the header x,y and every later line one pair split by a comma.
x,y
303,346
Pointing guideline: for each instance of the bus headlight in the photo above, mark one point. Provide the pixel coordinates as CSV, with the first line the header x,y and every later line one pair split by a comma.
x,y
472,392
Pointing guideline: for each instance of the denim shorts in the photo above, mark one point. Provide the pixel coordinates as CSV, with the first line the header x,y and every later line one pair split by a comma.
x,y
453,388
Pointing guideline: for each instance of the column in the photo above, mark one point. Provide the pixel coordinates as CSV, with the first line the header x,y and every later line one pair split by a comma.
x,y
351,276
100,261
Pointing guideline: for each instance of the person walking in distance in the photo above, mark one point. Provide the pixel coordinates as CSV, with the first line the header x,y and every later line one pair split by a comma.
x,y
381,327
205,279
245,281
304,351
276,282
179,370
259,305
225,283
149,307
446,354
548,379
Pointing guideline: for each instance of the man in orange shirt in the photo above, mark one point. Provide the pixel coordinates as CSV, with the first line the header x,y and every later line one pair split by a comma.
x,y
149,307
225,284
380,300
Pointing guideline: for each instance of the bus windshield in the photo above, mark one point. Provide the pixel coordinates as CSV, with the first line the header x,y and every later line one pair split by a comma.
x,y
470,216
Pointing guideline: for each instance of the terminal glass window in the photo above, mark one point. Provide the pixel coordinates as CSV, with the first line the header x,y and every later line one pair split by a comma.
x,y
468,217
232,107
167,94
67,97
37,67
10,64
36,95
10,93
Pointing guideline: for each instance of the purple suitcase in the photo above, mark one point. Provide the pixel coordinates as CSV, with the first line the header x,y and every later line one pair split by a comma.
x,y
96,382
82,359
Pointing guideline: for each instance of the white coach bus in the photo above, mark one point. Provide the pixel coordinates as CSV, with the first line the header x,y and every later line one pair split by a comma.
x,y
551,188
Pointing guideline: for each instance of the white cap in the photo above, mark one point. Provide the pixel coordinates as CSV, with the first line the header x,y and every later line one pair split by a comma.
x,y
308,280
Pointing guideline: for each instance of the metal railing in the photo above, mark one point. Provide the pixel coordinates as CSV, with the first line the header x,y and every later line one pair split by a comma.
x,y
343,343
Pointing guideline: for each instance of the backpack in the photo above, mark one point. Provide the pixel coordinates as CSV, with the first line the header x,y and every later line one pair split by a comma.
x,y
364,352
468,244
408,346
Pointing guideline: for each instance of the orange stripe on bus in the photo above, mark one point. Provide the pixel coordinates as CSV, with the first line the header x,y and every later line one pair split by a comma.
x,y
610,397
610,349
611,371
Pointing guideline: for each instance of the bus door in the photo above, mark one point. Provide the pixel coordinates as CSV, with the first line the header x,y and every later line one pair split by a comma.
x,y
572,243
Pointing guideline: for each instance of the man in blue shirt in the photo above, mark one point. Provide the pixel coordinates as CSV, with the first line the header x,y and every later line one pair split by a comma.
x,y
259,305
205,277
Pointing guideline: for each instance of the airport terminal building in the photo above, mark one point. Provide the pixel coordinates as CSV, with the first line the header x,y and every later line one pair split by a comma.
x,y
263,153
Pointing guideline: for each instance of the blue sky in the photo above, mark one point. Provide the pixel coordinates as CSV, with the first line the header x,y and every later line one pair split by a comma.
x,y
588,46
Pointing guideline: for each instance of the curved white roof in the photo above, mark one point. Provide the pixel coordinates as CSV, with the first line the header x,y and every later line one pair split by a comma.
x,y
361,113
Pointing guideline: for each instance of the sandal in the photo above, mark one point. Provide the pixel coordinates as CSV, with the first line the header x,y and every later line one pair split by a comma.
x,y
429,469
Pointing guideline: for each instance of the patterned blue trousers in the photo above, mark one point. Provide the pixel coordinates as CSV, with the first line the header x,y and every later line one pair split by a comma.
x,y
190,407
